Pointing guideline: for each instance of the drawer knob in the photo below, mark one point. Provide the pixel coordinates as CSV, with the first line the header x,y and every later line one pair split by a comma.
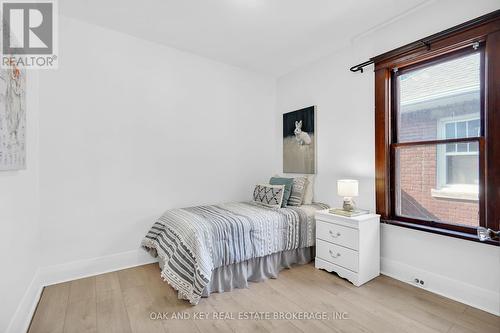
x,y
334,255
334,235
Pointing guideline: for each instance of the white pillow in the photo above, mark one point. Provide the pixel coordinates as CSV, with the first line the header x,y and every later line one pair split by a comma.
x,y
309,193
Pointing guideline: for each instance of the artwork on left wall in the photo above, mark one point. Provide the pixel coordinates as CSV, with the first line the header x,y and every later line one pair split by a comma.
x,y
299,141
12,119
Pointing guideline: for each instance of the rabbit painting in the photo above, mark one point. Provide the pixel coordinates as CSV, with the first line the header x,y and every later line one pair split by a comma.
x,y
299,141
302,137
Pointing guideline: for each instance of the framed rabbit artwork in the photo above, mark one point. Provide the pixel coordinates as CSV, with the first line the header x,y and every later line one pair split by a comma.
x,y
299,141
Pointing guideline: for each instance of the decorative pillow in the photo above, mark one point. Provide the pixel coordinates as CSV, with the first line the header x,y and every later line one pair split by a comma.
x,y
309,193
298,191
269,195
288,182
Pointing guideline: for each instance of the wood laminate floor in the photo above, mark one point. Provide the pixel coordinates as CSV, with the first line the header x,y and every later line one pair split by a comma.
x,y
123,301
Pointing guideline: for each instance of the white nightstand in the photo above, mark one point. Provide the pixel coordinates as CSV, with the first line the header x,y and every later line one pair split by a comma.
x,y
349,246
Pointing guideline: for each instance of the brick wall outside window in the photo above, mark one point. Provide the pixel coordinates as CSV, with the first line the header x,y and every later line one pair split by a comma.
x,y
418,169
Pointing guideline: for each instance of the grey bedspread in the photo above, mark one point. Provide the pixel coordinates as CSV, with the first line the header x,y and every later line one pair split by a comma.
x,y
191,242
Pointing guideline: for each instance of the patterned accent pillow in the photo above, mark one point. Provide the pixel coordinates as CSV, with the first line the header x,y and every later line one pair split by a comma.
x,y
298,191
269,195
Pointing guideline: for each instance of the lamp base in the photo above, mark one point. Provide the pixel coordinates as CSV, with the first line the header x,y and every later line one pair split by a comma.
x,y
348,204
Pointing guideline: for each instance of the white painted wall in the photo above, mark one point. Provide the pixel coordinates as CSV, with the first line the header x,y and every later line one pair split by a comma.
x,y
131,128
19,224
456,268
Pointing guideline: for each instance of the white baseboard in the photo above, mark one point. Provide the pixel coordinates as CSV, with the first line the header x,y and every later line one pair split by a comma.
x,y
22,317
88,267
474,296
49,275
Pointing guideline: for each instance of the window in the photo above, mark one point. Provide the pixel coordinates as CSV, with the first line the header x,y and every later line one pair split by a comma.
x,y
457,169
437,120
437,113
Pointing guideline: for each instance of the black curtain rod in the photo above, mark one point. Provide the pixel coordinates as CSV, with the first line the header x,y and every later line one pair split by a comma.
x,y
427,41
360,66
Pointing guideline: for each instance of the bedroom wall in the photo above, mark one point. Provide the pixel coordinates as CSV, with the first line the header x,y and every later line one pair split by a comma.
x,y
130,129
459,269
19,223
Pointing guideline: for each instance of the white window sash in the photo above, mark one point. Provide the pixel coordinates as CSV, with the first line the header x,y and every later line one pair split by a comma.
x,y
441,169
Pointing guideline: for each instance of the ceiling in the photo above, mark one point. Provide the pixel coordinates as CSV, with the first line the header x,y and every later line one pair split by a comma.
x,y
270,36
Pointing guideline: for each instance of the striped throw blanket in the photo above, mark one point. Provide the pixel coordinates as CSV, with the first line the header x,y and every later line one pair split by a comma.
x,y
191,242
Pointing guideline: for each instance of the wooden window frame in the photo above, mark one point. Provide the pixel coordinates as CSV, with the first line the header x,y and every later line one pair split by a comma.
x,y
394,144
485,32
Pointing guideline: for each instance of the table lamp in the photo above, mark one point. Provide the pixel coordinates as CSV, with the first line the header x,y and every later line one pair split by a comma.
x,y
347,188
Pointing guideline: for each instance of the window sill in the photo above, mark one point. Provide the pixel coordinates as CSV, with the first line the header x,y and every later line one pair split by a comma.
x,y
439,231
452,194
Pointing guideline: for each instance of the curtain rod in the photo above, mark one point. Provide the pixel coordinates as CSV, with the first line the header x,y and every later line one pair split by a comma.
x,y
427,41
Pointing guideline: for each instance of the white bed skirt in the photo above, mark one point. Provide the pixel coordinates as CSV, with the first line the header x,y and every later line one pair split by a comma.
x,y
227,278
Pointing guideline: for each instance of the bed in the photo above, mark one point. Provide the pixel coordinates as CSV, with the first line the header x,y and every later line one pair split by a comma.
x,y
216,248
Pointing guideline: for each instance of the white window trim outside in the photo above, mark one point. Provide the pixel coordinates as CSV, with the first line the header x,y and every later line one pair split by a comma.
x,y
452,191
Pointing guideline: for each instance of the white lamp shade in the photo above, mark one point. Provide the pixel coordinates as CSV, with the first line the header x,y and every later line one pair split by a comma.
x,y
347,187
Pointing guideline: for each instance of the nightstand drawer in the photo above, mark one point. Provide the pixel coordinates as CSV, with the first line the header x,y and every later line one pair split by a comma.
x,y
337,234
337,255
